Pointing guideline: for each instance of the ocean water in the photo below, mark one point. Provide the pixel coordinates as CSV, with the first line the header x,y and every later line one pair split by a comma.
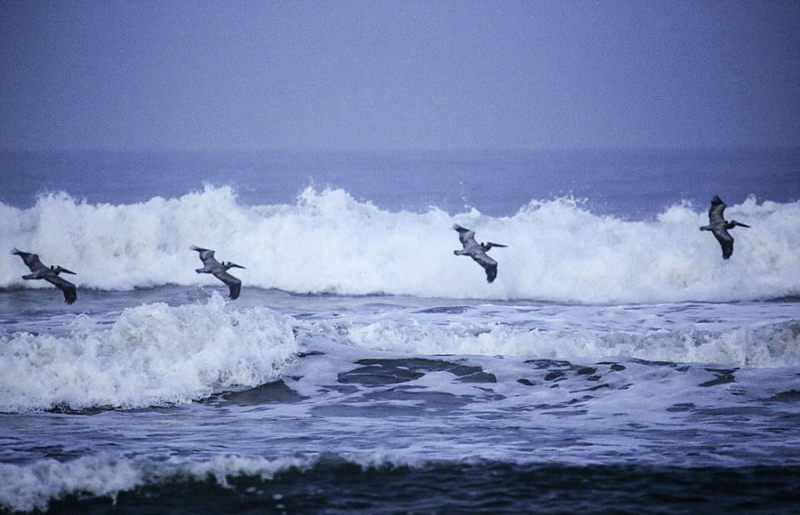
x,y
617,365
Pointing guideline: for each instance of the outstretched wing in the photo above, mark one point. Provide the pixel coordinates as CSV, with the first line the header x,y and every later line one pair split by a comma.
x,y
715,212
70,293
465,236
206,255
488,264
725,241
31,260
234,284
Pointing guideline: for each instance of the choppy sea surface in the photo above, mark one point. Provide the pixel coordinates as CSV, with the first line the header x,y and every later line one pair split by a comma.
x,y
617,365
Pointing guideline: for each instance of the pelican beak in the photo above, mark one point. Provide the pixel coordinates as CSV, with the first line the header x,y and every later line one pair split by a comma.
x,y
234,265
64,270
742,225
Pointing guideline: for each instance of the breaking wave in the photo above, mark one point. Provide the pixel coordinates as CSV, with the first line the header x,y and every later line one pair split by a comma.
x,y
328,242
379,483
152,355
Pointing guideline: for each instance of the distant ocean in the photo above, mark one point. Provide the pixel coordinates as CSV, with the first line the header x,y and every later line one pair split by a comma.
x,y
617,365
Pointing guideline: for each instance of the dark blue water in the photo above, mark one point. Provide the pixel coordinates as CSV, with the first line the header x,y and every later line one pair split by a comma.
x,y
338,487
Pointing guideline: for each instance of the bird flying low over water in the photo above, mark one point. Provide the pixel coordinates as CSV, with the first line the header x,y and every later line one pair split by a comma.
x,y
719,226
477,251
219,270
49,274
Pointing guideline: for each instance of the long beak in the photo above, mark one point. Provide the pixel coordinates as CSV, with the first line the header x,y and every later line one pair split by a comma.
x,y
234,265
65,271
498,245
742,225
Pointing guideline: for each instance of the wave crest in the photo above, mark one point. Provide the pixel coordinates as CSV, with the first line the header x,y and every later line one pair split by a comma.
x,y
328,242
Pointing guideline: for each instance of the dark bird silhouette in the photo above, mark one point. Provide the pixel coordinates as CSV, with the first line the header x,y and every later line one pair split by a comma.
x,y
720,227
477,251
49,274
220,271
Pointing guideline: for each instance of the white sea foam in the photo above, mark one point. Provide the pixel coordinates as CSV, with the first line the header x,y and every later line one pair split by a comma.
x,y
764,345
152,355
329,242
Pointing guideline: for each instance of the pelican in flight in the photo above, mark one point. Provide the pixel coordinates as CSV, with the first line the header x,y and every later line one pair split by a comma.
x,y
477,251
220,271
49,274
720,227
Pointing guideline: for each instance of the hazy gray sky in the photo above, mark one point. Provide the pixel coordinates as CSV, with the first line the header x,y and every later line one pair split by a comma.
x,y
388,75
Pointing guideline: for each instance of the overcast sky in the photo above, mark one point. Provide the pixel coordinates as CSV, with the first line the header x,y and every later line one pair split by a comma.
x,y
398,75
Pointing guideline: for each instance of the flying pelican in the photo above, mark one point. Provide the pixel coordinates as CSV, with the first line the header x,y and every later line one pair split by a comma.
x,y
49,274
719,226
220,271
477,251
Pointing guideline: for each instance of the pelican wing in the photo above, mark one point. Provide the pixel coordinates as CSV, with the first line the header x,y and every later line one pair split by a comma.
x,y
31,260
488,264
725,241
234,284
715,212
206,256
465,236
70,293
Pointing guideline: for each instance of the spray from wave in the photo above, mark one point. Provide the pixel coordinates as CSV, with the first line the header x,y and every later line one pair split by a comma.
x,y
152,355
327,242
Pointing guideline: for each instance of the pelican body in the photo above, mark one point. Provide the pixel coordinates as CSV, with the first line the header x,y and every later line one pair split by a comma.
x,y
477,251
720,227
220,271
48,273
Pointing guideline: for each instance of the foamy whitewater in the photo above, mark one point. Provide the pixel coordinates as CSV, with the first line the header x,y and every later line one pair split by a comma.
x,y
617,365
